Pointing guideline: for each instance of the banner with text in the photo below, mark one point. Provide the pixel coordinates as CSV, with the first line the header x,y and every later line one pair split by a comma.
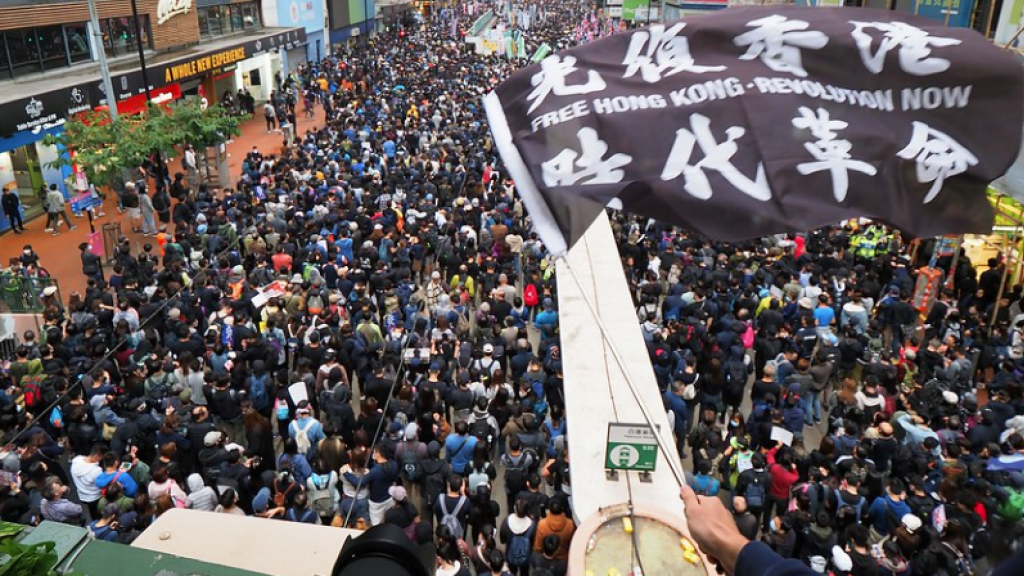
x,y
752,121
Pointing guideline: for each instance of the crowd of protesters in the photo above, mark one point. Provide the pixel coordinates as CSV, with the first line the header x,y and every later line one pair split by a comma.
x,y
918,468
361,330
364,330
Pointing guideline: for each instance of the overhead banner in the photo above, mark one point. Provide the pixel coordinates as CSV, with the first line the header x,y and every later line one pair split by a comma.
x,y
753,121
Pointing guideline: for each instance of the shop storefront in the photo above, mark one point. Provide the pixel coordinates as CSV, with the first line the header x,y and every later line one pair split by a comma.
x,y
24,122
257,75
25,170
250,65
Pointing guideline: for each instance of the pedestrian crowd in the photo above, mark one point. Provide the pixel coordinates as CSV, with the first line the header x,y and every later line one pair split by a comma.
x,y
915,413
363,329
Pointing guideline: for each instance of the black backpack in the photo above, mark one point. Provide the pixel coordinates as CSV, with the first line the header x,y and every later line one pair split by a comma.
x,y
736,372
435,480
481,429
515,472
410,464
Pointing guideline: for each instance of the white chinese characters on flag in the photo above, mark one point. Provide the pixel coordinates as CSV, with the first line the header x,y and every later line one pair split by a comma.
x,y
753,121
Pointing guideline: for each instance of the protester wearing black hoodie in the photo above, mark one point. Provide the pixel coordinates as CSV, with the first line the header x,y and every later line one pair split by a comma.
x,y
434,473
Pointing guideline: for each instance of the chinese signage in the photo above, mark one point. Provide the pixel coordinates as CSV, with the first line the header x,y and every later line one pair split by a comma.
x,y
754,121
631,447
167,9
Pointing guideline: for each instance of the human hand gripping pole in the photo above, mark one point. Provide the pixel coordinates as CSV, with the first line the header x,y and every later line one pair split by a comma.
x,y
714,529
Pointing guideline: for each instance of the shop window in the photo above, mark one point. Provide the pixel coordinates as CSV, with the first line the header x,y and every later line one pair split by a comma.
x,y
24,52
53,51
236,17
219,18
120,35
204,22
78,41
250,16
227,18
5,62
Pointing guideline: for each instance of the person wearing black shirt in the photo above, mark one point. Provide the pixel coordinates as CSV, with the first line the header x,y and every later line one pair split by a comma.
x,y
12,209
536,502
92,265
765,386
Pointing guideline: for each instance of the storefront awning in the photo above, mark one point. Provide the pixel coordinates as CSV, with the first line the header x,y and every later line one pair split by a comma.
x,y
51,108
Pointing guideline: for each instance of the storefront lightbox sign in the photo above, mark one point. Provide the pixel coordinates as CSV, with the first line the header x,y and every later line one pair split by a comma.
x,y
167,9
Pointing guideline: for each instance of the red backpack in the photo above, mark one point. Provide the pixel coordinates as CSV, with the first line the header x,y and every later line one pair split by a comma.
x,y
530,295
32,387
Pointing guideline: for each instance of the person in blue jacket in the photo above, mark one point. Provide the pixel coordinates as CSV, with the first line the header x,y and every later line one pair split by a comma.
x,y
458,448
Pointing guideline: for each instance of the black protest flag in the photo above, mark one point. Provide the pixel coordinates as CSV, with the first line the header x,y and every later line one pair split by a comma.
x,y
753,121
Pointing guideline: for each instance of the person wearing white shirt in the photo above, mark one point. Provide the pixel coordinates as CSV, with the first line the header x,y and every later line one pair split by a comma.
x,y
84,471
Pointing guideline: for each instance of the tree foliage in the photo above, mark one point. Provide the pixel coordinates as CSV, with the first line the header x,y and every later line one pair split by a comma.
x,y
104,149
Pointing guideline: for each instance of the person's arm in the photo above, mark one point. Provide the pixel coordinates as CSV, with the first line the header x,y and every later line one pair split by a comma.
x,y
1011,567
714,530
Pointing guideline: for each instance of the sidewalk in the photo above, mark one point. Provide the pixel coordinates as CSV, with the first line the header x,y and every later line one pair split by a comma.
x,y
60,255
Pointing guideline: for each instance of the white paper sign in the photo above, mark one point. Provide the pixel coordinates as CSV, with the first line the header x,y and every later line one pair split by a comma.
x,y
782,435
298,392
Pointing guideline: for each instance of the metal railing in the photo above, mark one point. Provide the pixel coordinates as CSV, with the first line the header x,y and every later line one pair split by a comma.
x,y
22,295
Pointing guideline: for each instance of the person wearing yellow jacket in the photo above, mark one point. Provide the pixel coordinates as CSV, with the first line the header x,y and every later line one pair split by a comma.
x,y
465,279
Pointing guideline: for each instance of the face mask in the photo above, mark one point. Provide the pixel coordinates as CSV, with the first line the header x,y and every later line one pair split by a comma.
x,y
733,424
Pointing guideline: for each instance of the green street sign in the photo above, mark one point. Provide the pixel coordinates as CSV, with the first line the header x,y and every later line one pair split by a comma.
x,y
631,447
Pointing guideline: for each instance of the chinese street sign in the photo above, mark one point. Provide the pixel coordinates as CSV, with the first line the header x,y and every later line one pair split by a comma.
x,y
631,447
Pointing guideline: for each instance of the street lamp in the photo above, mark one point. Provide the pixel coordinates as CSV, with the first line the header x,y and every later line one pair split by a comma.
x,y
137,26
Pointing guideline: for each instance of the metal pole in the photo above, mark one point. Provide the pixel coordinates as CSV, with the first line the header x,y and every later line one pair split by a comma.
x,y
97,34
956,261
988,19
1014,39
1002,282
137,26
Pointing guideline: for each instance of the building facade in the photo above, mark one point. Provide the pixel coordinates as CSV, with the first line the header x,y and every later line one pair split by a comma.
x,y
307,14
350,18
49,68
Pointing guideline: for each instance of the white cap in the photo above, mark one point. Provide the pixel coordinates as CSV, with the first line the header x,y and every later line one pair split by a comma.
x,y
212,438
950,397
841,560
911,523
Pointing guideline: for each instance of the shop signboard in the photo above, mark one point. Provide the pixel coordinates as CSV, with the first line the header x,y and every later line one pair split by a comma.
x,y
167,9
308,14
53,108
44,111
642,11
951,12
